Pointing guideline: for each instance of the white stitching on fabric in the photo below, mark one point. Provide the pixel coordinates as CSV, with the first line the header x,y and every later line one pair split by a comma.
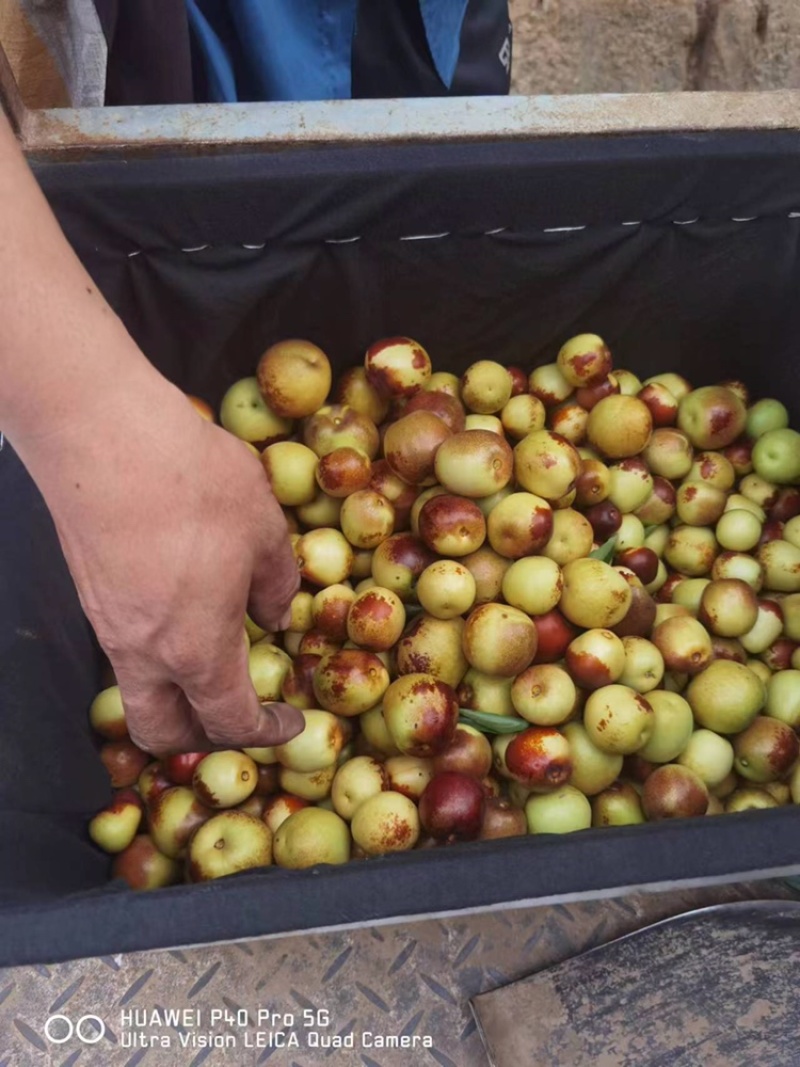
x,y
493,233
424,237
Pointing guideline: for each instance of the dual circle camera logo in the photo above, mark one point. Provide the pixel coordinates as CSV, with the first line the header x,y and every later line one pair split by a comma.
x,y
89,1029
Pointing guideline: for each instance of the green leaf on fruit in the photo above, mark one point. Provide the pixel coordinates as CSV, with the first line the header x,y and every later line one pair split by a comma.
x,y
649,529
605,553
492,724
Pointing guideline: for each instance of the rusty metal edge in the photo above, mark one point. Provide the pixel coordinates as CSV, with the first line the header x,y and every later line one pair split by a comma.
x,y
10,99
206,128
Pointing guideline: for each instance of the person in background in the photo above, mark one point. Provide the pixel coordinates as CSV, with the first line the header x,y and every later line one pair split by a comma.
x,y
171,540
87,53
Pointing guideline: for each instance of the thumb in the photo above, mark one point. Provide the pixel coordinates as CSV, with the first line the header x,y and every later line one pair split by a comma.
x,y
228,708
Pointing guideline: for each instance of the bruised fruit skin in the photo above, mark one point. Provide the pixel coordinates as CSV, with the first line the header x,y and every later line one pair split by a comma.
x,y
344,471
474,463
684,643
584,360
298,686
546,464
397,366
350,681
589,395
355,391
421,714
229,842
143,867
324,556
766,751
452,807
674,792
596,658
618,719
619,805
376,619
445,407
398,562
728,607
180,769
539,757
173,818
411,444
712,416
387,822
488,568
366,518
329,610
294,378
553,635
224,779
278,809
340,426
485,692
115,827
662,404
153,781
408,775
433,646
499,639
452,525
107,715
501,819
468,753
123,761
520,525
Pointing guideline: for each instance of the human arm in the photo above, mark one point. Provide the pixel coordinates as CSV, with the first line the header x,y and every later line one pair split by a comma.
x,y
168,524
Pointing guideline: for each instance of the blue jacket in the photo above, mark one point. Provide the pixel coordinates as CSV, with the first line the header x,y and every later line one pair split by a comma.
x,y
299,49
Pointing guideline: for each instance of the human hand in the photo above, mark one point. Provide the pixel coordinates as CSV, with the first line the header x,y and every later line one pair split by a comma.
x,y
171,531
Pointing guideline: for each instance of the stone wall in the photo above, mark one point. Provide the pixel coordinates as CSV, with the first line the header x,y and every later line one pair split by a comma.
x,y
595,46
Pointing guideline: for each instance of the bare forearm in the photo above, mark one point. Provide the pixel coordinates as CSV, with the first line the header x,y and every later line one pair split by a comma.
x,y
63,352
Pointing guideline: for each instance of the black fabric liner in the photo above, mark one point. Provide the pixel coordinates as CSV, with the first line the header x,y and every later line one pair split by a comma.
x,y
715,298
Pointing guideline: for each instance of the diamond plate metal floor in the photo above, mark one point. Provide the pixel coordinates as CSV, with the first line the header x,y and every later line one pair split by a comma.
x,y
408,981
